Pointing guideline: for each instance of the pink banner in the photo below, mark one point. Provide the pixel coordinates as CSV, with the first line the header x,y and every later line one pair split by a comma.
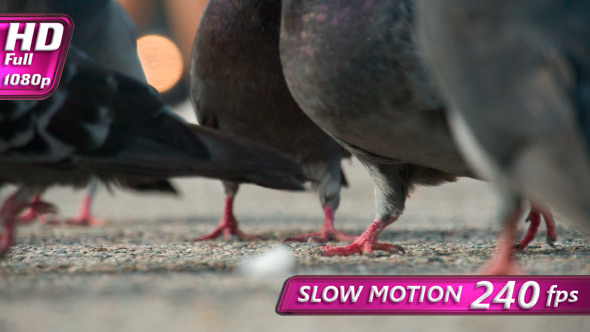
x,y
404,295
33,50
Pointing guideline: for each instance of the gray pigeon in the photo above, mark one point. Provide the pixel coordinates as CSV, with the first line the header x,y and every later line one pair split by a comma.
x,y
238,87
355,70
104,124
105,32
516,75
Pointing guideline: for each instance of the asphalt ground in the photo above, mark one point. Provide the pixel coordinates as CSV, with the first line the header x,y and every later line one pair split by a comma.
x,y
142,272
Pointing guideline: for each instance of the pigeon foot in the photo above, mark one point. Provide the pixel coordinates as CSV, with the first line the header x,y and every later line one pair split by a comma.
x,y
322,236
38,209
85,217
534,218
503,262
9,212
327,233
228,225
366,243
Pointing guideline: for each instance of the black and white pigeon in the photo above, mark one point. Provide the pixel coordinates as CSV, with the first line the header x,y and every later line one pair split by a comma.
x,y
104,124
516,75
355,70
238,87
104,32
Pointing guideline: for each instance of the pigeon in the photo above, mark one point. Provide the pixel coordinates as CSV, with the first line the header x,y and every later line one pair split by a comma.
x,y
516,77
238,87
355,69
105,32
105,124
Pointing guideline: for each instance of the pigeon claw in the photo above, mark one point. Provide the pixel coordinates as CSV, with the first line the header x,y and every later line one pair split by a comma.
x,y
534,218
518,247
550,224
28,217
228,233
551,241
229,227
322,236
38,209
327,233
87,220
362,247
85,217
366,243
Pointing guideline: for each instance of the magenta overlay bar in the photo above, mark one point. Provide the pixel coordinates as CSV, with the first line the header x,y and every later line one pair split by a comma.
x,y
33,51
426,295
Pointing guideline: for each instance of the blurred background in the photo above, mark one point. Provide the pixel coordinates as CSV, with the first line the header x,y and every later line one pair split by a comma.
x,y
167,29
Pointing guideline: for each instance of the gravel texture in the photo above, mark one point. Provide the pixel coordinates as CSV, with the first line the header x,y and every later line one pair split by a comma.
x,y
142,273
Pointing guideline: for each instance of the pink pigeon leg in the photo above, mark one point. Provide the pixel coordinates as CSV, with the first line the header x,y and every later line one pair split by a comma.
x,y
228,225
85,217
327,233
503,262
365,243
37,209
29,215
9,212
535,220
549,222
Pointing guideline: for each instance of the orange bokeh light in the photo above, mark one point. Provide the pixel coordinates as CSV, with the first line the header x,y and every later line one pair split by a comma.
x,y
161,60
